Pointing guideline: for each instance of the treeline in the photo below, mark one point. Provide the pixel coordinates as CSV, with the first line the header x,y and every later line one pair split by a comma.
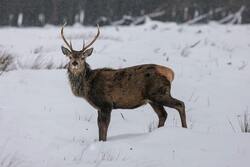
x,y
106,12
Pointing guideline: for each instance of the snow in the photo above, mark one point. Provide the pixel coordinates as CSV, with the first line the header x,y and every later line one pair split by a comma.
x,y
43,124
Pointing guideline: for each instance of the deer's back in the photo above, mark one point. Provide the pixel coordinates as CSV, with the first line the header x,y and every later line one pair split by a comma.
x,y
129,87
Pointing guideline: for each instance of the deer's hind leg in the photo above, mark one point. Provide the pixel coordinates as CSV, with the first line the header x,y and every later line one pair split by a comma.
x,y
161,113
171,102
159,93
179,106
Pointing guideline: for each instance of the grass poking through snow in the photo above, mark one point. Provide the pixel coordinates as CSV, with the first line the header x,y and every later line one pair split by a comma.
x,y
244,121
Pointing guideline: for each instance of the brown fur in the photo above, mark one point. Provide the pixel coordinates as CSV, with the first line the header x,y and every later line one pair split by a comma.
x,y
106,89
127,88
165,71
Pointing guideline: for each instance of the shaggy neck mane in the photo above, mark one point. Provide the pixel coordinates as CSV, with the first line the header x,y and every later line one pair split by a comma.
x,y
78,82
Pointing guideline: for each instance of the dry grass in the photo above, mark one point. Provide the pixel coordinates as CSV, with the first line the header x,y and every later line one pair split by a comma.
x,y
152,126
5,61
40,63
9,62
244,122
9,161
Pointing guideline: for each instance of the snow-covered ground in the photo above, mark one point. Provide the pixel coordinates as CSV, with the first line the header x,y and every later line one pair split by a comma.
x,y
43,124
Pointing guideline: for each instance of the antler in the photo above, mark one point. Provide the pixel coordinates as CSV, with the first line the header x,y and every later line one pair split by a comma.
x,y
91,43
84,47
68,44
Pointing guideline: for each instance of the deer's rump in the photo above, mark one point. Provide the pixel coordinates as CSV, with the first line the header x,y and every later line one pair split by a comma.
x,y
130,87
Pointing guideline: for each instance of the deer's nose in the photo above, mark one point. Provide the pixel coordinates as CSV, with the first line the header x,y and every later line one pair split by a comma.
x,y
74,63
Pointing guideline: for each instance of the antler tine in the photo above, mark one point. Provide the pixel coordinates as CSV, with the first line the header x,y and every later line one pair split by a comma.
x,y
83,44
69,45
98,33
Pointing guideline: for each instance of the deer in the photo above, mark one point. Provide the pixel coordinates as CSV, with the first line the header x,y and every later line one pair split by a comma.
x,y
106,89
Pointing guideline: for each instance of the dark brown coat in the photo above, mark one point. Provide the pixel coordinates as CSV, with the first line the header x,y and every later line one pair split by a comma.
x,y
106,89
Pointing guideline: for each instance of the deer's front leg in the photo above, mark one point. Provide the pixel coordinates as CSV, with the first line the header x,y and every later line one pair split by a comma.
x,y
103,121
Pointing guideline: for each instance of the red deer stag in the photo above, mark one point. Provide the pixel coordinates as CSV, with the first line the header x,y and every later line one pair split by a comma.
x,y
106,89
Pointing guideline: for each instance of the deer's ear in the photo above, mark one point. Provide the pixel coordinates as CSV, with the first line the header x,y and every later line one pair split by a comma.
x,y
88,52
65,51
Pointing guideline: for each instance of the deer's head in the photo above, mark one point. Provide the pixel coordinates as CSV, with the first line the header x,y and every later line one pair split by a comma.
x,y
77,63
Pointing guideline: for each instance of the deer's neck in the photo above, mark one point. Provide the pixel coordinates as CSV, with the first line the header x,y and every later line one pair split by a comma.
x,y
79,83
